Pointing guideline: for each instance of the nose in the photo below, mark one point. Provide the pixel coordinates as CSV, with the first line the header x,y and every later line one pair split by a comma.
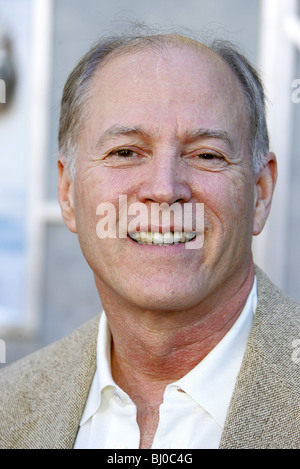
x,y
166,181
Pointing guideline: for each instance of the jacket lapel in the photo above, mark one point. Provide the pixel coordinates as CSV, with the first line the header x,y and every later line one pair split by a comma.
x,y
266,396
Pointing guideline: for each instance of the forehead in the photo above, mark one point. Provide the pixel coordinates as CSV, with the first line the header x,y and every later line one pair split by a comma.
x,y
189,85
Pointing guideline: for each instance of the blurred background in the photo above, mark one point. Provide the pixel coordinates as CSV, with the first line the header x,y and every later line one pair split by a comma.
x,y
46,287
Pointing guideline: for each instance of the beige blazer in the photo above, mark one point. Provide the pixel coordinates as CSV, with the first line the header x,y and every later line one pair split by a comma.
x,y
42,397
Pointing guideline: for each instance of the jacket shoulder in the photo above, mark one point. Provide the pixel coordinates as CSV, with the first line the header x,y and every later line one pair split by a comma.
x,y
273,298
265,407
27,383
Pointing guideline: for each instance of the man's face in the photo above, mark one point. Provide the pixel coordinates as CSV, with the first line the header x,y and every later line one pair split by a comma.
x,y
148,135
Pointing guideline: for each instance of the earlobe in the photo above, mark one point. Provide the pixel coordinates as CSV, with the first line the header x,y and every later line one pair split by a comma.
x,y
66,195
264,188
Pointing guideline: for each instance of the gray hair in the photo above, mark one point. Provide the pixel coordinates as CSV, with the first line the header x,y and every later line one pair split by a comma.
x,y
78,89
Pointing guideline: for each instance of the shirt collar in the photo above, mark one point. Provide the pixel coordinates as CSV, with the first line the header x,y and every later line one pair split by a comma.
x,y
210,383
103,377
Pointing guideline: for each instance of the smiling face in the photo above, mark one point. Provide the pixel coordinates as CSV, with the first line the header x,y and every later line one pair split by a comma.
x,y
168,127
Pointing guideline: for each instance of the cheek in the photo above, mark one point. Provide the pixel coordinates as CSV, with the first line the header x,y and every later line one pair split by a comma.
x,y
86,202
97,194
228,200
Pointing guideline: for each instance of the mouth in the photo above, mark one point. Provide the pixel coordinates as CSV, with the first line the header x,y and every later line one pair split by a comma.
x,y
162,239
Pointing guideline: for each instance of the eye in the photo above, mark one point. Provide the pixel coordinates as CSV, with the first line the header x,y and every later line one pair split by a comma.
x,y
209,156
207,160
124,157
123,153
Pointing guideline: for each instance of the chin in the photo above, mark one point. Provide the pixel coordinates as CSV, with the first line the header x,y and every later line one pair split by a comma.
x,y
167,299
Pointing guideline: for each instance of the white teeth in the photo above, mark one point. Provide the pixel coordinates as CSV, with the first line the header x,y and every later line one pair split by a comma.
x,y
189,236
168,238
136,236
162,238
142,236
178,237
158,238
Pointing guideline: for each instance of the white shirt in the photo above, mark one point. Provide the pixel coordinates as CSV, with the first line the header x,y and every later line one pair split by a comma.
x,y
191,419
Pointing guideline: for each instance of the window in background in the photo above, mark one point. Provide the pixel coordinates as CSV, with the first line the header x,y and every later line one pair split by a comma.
x,y
23,137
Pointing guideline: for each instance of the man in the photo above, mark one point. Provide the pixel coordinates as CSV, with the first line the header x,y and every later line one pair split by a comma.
x,y
194,347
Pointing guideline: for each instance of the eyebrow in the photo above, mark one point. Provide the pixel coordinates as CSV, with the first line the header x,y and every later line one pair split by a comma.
x,y
211,133
119,130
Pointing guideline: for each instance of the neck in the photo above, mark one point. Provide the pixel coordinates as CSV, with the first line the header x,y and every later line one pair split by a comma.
x,y
151,349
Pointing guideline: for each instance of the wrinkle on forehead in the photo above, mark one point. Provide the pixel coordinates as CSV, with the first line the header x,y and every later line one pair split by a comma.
x,y
141,52
164,82
202,68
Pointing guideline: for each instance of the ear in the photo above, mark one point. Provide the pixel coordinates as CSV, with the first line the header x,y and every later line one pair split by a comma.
x,y
66,195
264,188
